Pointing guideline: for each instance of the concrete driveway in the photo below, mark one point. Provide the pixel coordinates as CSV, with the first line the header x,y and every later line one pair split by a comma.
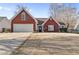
x,y
51,44
40,43
10,41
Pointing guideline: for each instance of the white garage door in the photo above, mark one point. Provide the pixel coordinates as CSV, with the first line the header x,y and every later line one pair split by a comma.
x,y
50,27
22,27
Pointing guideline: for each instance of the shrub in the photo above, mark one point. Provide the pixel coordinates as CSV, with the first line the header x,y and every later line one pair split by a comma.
x,y
5,30
63,29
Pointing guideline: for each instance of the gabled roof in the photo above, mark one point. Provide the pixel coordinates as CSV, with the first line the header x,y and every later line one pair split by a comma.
x,y
51,19
25,11
40,20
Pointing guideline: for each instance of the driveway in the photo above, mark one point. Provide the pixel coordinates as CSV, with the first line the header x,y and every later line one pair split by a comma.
x,y
40,43
10,41
51,44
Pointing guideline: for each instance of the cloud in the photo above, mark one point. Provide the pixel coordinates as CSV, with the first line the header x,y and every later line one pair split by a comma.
x,y
7,9
4,8
28,9
1,8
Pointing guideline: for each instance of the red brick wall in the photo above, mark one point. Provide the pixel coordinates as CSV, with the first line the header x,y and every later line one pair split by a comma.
x,y
17,20
51,22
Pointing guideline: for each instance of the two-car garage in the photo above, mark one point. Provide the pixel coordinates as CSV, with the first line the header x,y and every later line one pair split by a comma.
x,y
22,27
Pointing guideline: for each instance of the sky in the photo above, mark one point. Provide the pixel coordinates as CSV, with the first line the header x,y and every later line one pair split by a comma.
x,y
38,10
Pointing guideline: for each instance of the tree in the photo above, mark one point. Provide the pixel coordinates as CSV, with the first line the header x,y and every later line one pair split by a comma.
x,y
63,13
18,7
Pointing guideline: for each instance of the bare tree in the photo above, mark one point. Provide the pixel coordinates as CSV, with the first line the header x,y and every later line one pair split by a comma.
x,y
18,7
63,13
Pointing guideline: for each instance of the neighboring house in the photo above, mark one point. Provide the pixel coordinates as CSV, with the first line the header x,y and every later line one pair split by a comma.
x,y
4,23
23,21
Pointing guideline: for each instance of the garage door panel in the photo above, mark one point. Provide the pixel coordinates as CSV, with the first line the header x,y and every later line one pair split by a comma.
x,y
23,27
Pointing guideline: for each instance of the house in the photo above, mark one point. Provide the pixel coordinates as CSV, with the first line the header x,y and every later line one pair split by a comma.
x,y
23,21
4,23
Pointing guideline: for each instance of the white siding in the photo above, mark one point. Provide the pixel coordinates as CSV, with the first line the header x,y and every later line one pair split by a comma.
x,y
5,24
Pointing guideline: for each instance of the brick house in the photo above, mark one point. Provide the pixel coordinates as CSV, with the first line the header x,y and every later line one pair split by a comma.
x,y
23,21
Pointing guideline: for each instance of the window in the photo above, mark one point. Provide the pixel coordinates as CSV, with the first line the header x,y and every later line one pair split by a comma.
x,y
23,16
50,27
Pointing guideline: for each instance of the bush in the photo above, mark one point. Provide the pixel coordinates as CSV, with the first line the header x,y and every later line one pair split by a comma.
x,y
5,30
63,29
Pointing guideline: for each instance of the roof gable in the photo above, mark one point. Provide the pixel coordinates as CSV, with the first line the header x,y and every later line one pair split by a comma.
x,y
23,10
50,19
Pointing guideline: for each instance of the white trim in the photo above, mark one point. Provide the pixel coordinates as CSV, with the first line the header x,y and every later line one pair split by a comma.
x,y
52,19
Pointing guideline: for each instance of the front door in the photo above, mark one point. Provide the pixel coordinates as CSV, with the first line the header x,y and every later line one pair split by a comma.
x,y
40,28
